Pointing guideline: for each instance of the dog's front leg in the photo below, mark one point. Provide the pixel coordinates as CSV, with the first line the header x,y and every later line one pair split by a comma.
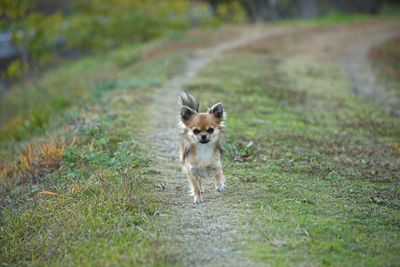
x,y
195,183
201,186
219,180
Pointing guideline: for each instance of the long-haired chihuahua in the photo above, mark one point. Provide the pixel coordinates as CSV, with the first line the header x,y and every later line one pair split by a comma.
x,y
200,149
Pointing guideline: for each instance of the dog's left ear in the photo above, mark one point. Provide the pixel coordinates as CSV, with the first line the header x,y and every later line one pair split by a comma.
x,y
217,111
187,114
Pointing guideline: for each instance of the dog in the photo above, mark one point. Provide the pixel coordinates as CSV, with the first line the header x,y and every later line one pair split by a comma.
x,y
200,150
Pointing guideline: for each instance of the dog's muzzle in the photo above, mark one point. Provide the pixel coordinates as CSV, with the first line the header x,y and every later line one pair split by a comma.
x,y
204,139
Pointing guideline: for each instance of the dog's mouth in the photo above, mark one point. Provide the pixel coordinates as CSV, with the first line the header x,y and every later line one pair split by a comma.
x,y
204,141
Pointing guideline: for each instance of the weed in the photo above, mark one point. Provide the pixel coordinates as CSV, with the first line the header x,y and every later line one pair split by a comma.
x,y
33,164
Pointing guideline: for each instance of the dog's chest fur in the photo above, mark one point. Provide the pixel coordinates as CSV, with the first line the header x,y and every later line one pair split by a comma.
x,y
204,154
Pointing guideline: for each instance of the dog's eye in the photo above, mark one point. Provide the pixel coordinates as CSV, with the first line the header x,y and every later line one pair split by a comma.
x,y
210,130
196,131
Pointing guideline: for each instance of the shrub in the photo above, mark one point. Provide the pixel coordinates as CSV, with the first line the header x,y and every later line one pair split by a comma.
x,y
92,26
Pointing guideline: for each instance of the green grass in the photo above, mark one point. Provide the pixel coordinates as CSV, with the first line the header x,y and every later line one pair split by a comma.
x,y
323,172
336,18
102,225
103,211
329,19
314,168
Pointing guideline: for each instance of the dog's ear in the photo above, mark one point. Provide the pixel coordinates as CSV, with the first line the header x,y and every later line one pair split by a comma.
x,y
217,111
187,114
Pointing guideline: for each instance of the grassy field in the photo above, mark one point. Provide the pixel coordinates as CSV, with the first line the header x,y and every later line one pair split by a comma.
x,y
88,156
321,166
313,168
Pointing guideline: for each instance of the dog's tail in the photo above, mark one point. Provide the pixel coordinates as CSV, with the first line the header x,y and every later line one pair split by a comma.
x,y
186,99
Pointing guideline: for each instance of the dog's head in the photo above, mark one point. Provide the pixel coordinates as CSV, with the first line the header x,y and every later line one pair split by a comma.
x,y
203,128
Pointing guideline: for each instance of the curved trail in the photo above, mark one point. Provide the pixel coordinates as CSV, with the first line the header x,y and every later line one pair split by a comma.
x,y
361,75
196,234
205,234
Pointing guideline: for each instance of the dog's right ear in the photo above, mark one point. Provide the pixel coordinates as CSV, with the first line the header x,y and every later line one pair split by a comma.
x,y
217,111
187,114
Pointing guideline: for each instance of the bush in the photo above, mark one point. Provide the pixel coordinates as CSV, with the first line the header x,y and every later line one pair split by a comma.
x,y
231,12
93,26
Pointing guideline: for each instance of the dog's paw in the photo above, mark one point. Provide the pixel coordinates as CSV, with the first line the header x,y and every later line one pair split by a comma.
x,y
197,201
220,188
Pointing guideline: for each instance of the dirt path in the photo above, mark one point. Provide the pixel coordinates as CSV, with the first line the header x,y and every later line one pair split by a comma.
x,y
361,75
349,46
197,234
206,234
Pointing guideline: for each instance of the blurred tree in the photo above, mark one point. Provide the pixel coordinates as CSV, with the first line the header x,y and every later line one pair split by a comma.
x,y
48,7
276,9
10,12
41,29
32,34
231,12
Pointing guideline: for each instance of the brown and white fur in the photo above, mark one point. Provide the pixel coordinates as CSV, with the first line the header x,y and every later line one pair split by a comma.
x,y
200,149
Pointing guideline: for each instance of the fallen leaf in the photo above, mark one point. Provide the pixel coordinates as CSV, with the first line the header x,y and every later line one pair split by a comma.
x,y
59,169
239,144
44,192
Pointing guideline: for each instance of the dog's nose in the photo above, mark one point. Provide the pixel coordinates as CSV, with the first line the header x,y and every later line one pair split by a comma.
x,y
204,137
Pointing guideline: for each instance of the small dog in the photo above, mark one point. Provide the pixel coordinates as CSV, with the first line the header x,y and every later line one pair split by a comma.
x,y
200,149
